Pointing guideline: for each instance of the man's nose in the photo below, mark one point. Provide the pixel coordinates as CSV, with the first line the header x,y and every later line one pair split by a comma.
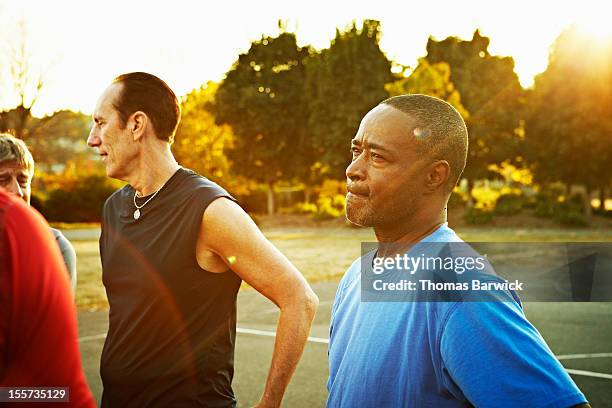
x,y
93,139
356,169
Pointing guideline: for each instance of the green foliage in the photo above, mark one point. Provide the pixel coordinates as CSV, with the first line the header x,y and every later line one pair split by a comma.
x,y
15,121
603,213
202,145
430,79
477,216
262,99
569,212
82,201
343,83
509,204
546,202
304,209
491,93
330,203
571,219
569,126
254,201
573,204
330,207
59,138
545,209
456,200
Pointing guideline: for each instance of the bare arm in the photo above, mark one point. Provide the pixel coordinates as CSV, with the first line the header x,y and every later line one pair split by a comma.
x,y
229,232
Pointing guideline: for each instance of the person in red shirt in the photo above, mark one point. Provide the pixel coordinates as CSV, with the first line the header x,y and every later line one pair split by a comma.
x,y
38,328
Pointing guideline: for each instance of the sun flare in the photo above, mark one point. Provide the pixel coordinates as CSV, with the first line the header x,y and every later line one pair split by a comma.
x,y
596,26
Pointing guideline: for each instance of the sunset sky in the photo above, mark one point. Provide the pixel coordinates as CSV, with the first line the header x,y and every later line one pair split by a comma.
x,y
79,46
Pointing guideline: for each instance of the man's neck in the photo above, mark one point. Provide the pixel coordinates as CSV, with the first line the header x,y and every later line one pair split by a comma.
x,y
400,237
154,170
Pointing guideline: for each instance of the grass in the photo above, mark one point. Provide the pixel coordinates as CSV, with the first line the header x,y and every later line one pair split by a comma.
x,y
320,253
90,294
74,225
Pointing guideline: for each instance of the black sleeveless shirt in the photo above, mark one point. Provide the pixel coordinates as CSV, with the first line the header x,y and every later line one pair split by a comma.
x,y
172,325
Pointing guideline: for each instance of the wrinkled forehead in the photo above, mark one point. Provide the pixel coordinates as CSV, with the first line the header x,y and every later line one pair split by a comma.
x,y
385,125
14,167
106,101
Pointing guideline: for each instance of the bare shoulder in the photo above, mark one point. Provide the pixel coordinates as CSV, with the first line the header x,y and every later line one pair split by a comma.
x,y
224,216
226,230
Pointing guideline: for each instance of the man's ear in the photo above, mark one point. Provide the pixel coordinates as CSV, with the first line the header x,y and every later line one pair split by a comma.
x,y
137,124
437,173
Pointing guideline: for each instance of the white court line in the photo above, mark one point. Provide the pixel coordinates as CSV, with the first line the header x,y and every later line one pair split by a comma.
x,y
90,338
589,373
273,334
577,356
326,341
276,309
238,330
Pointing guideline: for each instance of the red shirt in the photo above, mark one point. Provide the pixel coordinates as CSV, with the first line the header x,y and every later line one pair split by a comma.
x,y
38,327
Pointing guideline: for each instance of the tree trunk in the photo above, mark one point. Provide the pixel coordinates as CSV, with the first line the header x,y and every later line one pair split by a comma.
x,y
23,115
470,200
270,198
307,193
587,202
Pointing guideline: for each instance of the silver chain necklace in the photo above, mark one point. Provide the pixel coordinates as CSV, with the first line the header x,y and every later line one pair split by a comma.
x,y
137,212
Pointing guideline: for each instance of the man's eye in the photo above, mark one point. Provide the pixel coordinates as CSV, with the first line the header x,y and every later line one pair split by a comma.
x,y
377,156
355,150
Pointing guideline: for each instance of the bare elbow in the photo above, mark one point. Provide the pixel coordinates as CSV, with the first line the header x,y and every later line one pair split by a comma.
x,y
303,302
311,303
308,302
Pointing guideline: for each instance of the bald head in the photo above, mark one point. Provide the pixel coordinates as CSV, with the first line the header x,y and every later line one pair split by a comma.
x,y
439,130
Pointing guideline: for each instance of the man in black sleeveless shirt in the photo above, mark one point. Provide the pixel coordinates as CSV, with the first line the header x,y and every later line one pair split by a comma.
x,y
175,247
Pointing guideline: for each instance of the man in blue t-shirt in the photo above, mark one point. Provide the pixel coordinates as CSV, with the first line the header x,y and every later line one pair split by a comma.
x,y
408,154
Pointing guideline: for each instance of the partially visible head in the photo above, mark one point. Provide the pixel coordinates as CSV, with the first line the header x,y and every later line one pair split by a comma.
x,y
135,110
408,155
16,166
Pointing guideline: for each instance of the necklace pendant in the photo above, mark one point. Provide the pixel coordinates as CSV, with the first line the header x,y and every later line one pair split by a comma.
x,y
137,214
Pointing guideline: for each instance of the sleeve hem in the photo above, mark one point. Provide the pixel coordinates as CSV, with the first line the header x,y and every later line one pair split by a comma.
x,y
567,401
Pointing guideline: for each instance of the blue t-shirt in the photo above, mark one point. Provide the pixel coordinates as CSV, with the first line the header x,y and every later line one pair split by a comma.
x,y
439,354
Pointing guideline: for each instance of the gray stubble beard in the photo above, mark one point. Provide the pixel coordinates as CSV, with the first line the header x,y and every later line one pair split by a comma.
x,y
362,217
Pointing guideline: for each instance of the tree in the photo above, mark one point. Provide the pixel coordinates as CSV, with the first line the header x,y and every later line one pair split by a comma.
x,y
27,86
262,100
430,79
343,83
569,125
491,93
200,143
59,138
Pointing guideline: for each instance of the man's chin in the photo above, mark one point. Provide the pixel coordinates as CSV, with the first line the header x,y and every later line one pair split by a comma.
x,y
356,223
360,220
